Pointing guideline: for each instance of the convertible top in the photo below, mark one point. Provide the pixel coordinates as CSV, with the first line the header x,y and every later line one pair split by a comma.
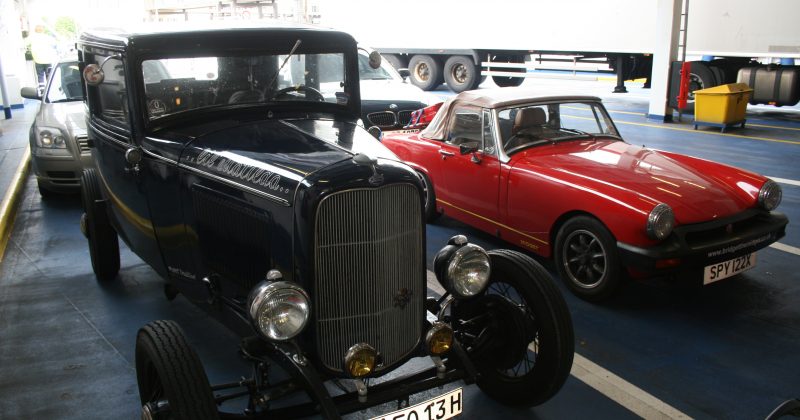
x,y
494,98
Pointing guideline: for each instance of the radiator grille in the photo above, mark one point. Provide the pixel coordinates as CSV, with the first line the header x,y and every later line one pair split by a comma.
x,y
83,144
369,273
403,117
382,119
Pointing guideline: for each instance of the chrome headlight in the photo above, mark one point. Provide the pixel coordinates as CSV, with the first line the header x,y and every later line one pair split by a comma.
x,y
770,195
50,138
660,222
463,269
279,309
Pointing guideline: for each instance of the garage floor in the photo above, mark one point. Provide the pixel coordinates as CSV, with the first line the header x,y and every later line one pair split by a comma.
x,y
659,349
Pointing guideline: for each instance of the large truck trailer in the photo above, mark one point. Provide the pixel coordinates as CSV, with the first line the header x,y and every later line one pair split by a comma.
x,y
434,40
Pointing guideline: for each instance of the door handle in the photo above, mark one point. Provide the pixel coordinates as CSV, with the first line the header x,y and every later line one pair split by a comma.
x,y
445,154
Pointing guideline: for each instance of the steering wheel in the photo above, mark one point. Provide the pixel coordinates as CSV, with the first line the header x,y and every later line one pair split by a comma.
x,y
309,93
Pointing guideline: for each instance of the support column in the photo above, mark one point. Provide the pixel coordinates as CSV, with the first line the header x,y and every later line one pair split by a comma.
x,y
621,62
668,25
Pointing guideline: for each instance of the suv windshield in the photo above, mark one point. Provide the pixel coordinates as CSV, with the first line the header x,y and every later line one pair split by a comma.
x,y
175,85
65,83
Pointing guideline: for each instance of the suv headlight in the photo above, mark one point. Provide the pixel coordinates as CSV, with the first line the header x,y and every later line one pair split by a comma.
x,y
660,222
463,269
279,309
50,138
769,196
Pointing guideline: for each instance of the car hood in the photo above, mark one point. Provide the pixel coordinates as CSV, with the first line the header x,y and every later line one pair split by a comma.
x,y
618,171
276,155
69,116
393,90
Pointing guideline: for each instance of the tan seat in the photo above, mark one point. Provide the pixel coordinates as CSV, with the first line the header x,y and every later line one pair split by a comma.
x,y
527,126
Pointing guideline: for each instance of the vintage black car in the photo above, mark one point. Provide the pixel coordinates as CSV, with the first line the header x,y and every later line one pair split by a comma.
x,y
230,161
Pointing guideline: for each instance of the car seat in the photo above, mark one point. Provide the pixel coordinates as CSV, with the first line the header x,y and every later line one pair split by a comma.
x,y
527,126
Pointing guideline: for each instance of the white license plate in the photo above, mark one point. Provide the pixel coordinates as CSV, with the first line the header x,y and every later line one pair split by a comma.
x,y
439,408
728,268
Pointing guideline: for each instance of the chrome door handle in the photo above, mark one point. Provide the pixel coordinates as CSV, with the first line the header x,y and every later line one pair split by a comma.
x,y
445,153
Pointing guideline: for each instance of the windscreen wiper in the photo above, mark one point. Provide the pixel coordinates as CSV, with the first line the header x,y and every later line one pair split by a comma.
x,y
285,60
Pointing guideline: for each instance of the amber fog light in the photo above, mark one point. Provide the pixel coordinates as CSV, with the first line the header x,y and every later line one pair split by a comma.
x,y
360,360
439,339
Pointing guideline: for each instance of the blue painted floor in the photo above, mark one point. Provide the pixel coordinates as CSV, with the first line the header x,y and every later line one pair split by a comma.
x,y
728,350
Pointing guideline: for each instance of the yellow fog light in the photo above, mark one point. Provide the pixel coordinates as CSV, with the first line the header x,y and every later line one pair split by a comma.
x,y
439,338
360,360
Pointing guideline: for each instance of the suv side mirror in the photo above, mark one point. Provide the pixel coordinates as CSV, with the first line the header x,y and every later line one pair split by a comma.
x,y
30,93
468,147
404,73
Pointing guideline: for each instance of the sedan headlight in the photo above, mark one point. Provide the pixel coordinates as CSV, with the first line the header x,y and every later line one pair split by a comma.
x,y
463,269
660,222
50,138
279,309
770,195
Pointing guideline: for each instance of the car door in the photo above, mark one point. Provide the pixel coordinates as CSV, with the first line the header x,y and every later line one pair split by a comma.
x,y
470,189
111,133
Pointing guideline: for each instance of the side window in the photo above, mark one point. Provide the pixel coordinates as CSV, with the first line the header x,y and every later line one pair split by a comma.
x,y
111,96
488,133
465,127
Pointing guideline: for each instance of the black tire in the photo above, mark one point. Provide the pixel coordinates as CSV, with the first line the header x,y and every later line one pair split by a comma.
x,y
460,73
479,81
397,61
700,77
168,369
431,214
426,72
587,259
103,241
507,81
510,369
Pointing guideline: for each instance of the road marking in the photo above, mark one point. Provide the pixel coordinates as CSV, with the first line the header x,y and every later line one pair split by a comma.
x,y
610,385
741,136
785,181
785,248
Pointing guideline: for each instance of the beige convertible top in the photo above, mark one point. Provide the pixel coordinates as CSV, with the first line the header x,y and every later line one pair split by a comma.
x,y
492,99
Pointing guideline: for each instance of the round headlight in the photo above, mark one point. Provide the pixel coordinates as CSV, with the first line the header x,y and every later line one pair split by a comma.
x,y
463,269
279,310
660,222
360,360
439,338
770,195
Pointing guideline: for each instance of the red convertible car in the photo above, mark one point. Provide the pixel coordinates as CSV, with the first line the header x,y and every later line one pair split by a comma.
x,y
553,175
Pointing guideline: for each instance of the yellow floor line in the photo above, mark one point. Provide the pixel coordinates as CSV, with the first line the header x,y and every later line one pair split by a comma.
x,y
741,136
8,208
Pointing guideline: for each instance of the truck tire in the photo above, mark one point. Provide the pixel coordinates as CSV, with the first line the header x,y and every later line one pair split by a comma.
x,y
103,241
700,77
460,73
397,61
426,72
168,369
507,81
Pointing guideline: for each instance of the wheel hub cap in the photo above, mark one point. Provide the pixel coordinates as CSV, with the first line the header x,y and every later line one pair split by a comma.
x,y
584,259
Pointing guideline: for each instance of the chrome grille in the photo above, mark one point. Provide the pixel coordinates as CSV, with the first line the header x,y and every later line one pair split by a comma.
x,y
403,117
369,283
382,119
83,144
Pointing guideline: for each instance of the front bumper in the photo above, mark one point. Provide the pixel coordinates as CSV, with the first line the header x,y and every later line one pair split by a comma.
x,y
60,173
702,244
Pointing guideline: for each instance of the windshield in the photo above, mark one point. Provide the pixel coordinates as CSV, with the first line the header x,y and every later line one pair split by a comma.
x,y
529,125
175,85
65,83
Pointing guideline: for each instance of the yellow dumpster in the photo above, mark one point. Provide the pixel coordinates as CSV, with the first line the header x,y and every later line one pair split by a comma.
x,y
721,106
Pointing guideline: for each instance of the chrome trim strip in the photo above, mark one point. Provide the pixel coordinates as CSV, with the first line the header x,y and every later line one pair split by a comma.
x,y
251,190
159,157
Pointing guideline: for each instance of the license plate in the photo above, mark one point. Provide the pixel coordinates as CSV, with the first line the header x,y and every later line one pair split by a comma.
x,y
729,268
439,408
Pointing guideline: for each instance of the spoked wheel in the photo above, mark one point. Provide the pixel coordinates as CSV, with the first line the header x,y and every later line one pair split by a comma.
x,y
587,258
430,199
172,382
519,334
103,241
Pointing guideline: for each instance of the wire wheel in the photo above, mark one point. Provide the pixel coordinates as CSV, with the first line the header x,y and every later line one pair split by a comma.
x,y
530,333
584,259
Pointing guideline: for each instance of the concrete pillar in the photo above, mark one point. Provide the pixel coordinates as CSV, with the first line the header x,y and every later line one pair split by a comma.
x,y
668,25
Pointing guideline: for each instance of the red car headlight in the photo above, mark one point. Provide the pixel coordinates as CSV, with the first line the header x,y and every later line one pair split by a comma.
x,y
770,195
660,222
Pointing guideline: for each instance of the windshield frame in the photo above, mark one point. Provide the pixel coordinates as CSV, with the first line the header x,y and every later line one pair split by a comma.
x,y
52,77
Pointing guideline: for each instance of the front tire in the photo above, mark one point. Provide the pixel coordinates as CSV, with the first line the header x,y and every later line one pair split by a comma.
x,y
587,259
103,241
520,333
426,72
169,370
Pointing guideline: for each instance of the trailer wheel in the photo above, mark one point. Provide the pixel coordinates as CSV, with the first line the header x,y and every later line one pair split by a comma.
x,y
397,61
172,382
700,77
460,73
507,81
426,72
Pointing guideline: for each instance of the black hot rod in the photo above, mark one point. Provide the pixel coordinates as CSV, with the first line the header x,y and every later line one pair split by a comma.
x,y
232,161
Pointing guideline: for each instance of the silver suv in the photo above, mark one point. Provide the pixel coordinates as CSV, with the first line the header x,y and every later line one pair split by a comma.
x,y
58,135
